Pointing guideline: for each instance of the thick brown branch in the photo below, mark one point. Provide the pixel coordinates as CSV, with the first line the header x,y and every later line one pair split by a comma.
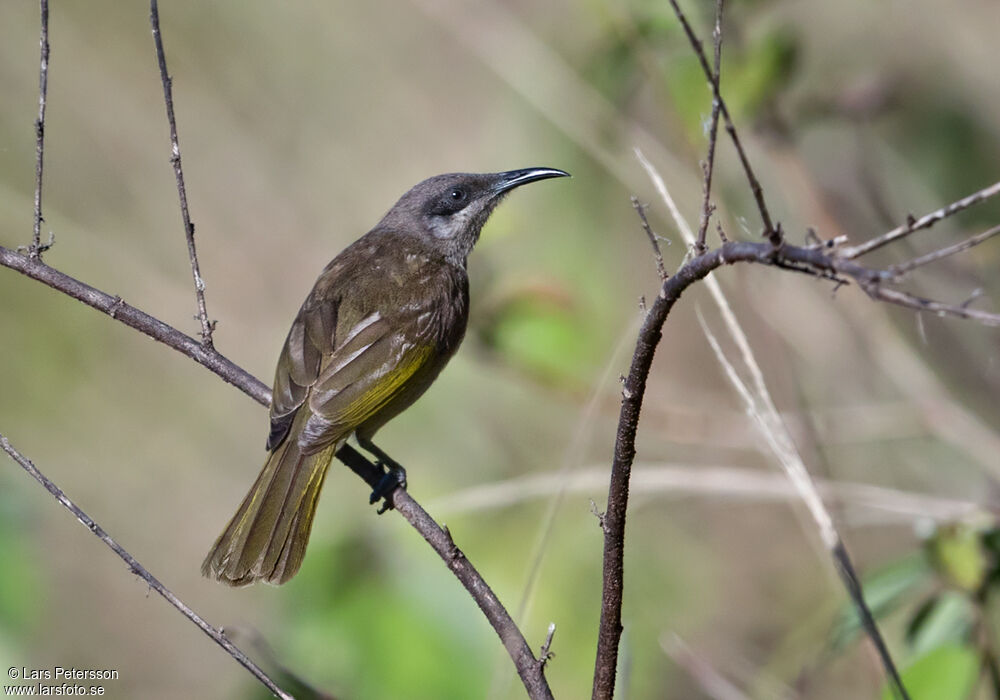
x,y
175,160
139,570
528,668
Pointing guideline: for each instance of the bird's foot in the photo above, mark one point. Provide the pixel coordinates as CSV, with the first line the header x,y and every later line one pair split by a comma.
x,y
394,478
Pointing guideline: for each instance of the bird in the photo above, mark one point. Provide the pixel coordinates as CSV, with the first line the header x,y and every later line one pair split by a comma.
x,y
381,322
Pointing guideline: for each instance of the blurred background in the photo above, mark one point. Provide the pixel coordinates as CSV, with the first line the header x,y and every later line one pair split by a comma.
x,y
300,124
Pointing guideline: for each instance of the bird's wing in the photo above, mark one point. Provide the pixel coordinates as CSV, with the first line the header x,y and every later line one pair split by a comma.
x,y
309,340
369,367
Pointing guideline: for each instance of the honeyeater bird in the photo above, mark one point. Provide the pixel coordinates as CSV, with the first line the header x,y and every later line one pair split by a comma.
x,y
382,320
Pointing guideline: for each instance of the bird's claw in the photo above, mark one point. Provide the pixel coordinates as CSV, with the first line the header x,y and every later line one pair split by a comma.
x,y
394,478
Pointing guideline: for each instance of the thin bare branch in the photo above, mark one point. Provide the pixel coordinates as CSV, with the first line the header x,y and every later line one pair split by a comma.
x,y
901,269
713,131
925,221
36,248
139,570
175,160
771,232
513,641
640,209
911,301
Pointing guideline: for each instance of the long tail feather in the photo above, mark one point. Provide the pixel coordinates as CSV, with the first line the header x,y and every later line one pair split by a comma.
x,y
266,539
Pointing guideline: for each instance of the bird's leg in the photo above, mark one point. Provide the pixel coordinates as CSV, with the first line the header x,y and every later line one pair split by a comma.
x,y
394,477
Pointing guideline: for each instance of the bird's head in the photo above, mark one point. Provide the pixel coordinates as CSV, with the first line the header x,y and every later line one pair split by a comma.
x,y
451,209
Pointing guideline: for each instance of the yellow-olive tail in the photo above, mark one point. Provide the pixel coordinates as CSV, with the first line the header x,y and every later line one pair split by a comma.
x,y
266,539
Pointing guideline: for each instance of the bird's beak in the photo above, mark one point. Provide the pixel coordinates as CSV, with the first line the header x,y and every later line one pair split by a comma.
x,y
515,178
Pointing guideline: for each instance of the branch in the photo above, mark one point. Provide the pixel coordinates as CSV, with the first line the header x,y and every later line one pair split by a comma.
x,y
139,570
901,269
772,233
36,248
528,668
713,130
640,209
175,159
925,221
814,261
910,301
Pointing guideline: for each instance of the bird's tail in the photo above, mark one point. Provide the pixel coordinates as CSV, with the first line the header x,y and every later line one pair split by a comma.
x,y
267,537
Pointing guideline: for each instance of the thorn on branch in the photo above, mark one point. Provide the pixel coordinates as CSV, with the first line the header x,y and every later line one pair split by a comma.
x,y
976,294
597,514
546,653
454,553
115,306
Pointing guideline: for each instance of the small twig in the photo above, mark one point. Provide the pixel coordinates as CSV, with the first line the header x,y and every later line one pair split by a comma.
x,y
977,293
37,247
770,232
546,654
911,301
640,209
901,269
139,570
713,130
925,221
175,160
722,234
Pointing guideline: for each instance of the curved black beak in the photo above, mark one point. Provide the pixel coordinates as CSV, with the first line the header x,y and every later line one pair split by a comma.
x,y
515,178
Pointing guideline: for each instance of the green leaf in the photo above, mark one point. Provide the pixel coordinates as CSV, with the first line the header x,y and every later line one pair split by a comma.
x,y
946,619
947,673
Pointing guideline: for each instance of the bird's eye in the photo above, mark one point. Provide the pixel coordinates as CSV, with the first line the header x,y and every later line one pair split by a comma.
x,y
457,195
